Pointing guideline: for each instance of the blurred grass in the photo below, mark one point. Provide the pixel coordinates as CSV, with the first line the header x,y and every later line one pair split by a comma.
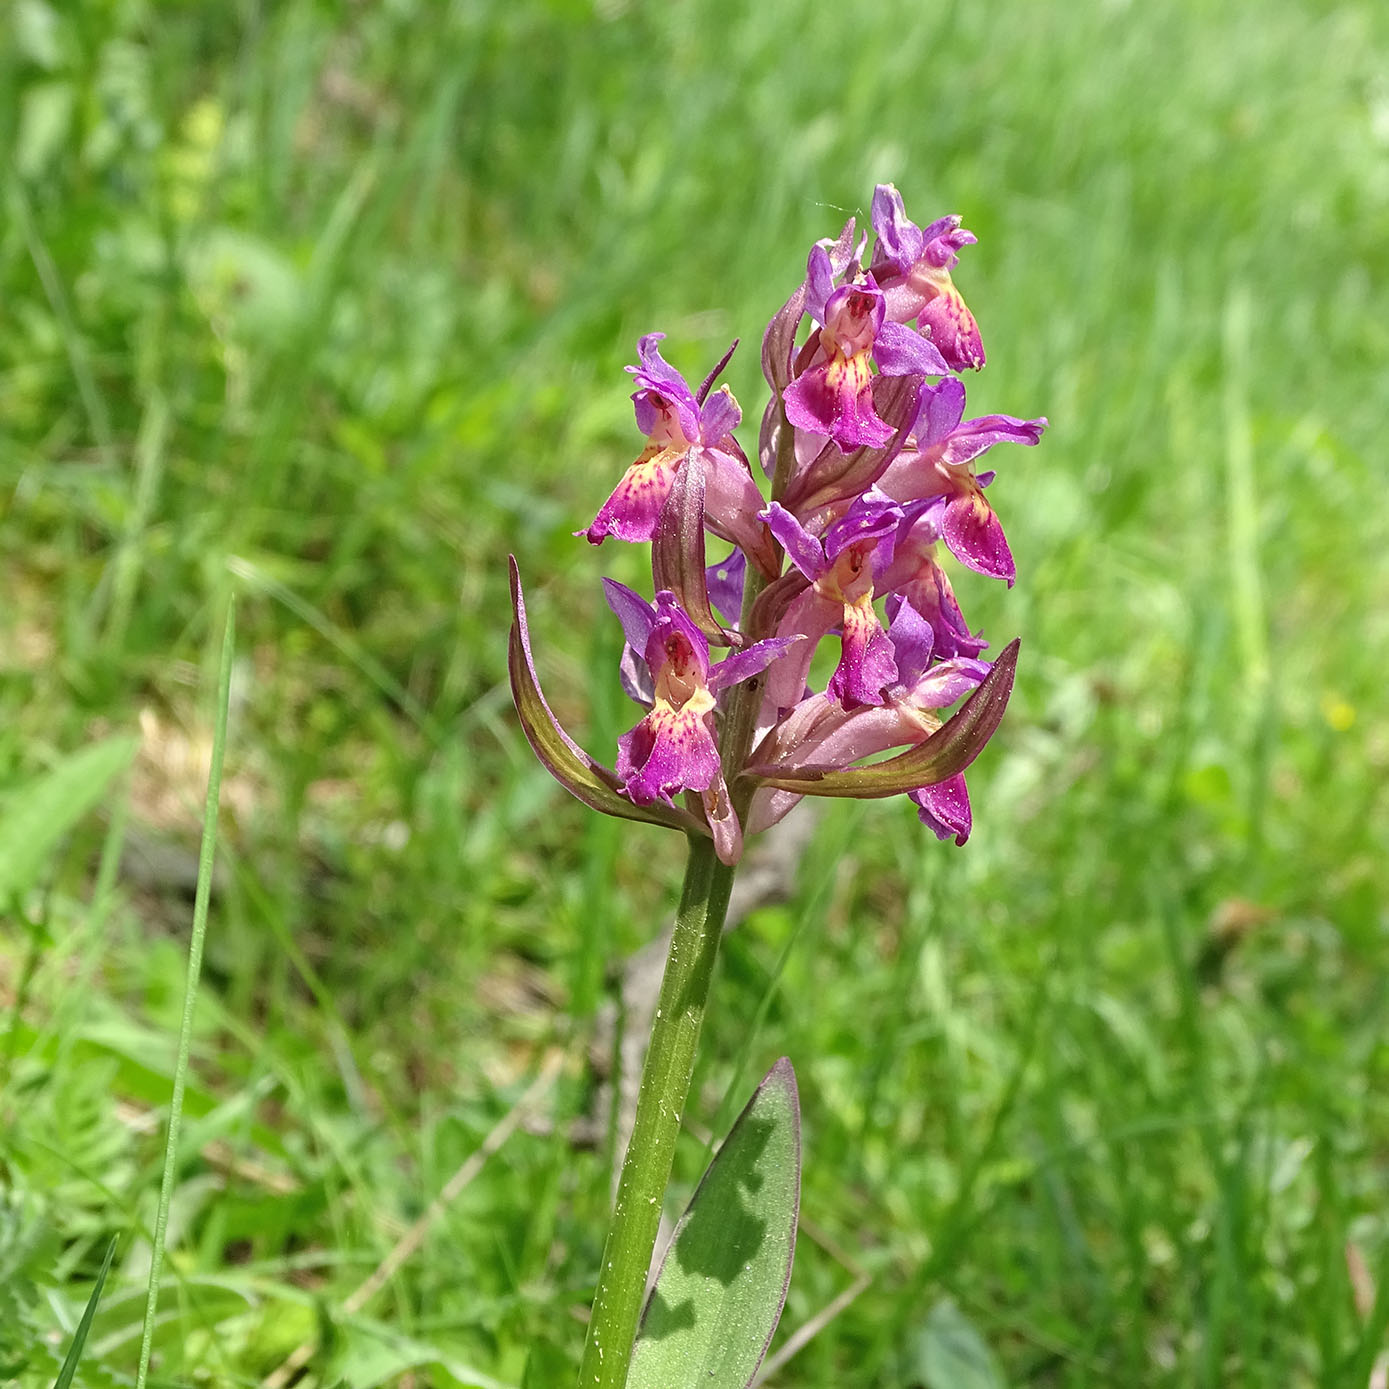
x,y
330,303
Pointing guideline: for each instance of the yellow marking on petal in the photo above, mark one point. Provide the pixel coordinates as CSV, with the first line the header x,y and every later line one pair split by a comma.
x,y
848,376
959,310
696,704
849,579
860,621
699,703
654,459
653,471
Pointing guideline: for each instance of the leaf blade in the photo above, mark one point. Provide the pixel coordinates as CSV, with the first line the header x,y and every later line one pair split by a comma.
x,y
79,1337
722,1284
51,805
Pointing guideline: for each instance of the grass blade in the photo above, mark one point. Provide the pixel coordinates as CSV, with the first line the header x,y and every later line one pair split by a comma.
x,y
79,1339
195,962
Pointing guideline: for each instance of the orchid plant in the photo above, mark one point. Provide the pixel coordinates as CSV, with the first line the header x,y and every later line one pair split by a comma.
x,y
873,481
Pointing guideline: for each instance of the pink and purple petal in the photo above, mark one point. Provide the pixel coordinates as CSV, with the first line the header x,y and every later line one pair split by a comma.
x,y
635,677
732,502
634,507
940,412
900,242
819,278
810,615
867,665
725,581
873,516
636,615
972,530
802,549
658,382
929,592
899,351
719,417
953,329
944,808
836,399
944,239
913,640
853,315
669,751
743,665
946,682
675,638
978,436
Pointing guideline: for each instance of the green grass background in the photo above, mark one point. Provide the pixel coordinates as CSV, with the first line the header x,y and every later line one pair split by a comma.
x,y
327,304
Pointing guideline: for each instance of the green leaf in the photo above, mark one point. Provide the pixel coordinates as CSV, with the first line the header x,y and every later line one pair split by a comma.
x,y
41,813
79,1339
946,753
723,1281
951,1354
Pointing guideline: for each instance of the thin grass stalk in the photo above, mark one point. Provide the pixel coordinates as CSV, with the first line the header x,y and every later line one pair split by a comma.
x,y
206,854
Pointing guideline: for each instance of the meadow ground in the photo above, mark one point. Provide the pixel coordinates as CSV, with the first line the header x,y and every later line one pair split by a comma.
x,y
326,306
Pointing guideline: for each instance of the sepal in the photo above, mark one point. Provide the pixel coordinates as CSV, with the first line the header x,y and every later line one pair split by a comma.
x,y
678,561
945,754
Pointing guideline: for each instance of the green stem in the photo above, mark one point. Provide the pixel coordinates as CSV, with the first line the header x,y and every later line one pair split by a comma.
x,y
665,1086
670,1056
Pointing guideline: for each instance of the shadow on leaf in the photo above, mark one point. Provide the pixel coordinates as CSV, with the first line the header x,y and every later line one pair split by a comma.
x,y
720,1234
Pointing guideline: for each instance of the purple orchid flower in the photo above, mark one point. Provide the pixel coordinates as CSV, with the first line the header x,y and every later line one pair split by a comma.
x,y
823,732
915,576
676,425
939,468
832,391
842,568
674,747
912,266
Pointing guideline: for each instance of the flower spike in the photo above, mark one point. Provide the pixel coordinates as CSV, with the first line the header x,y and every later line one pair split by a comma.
x,y
874,488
